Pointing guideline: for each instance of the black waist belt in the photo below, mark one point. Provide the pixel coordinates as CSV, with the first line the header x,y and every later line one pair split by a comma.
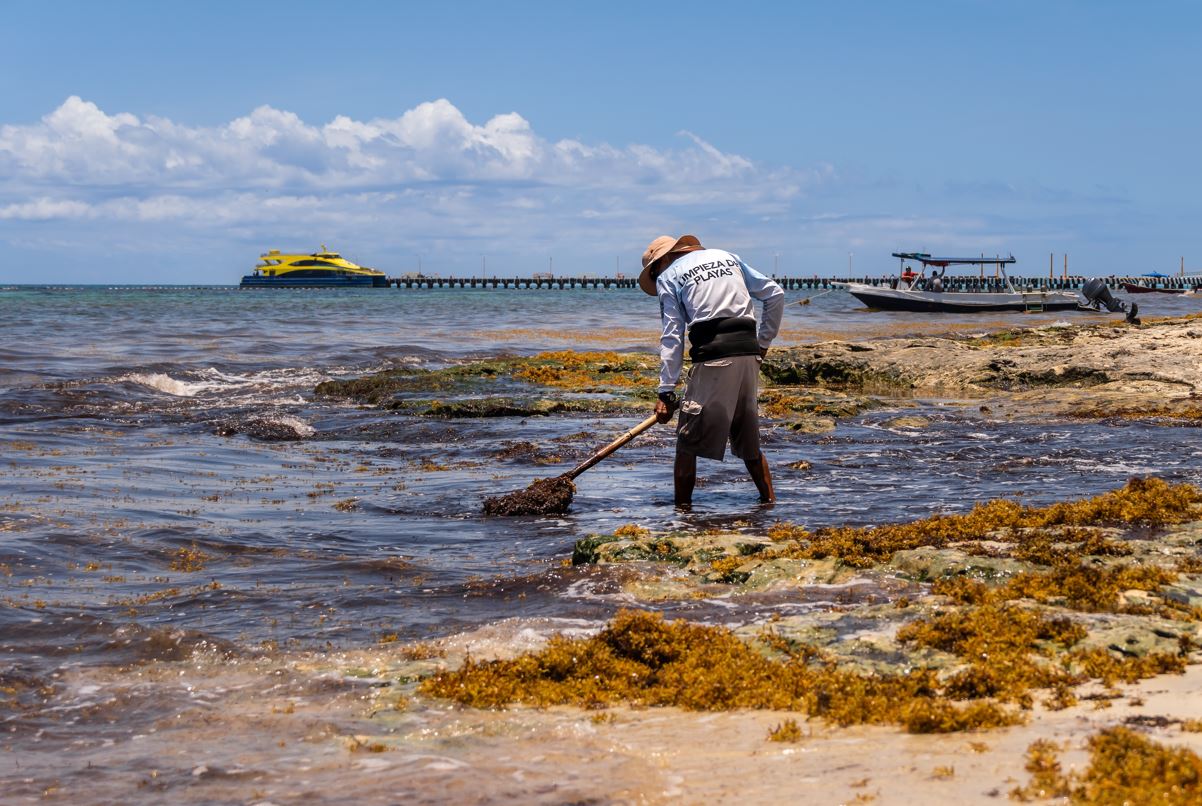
x,y
722,338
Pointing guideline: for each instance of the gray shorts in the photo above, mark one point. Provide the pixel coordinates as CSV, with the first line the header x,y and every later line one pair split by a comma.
x,y
720,403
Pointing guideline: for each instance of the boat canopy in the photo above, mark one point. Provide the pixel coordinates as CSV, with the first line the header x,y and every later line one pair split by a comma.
x,y
943,262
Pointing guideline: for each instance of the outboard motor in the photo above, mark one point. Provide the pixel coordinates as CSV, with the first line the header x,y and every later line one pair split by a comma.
x,y
1098,296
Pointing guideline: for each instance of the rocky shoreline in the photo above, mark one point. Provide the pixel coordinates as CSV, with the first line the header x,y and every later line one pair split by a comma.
x,y
1035,631
1123,571
1099,371
988,624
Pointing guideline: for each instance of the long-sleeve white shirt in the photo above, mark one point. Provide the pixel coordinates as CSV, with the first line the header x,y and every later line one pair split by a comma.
x,y
710,284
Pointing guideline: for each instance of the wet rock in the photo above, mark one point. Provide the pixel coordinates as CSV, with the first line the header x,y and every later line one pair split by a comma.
x,y
862,639
882,653
505,406
373,389
695,555
1150,371
1187,590
267,429
780,573
928,563
812,425
906,422
1089,371
586,551
837,365
1011,374
628,376
800,465
512,407
1136,636
696,551
783,402
667,585
818,628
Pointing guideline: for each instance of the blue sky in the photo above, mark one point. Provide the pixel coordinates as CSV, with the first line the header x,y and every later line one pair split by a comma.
x,y
170,142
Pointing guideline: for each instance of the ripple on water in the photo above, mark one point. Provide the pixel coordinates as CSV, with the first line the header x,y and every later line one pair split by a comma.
x,y
137,543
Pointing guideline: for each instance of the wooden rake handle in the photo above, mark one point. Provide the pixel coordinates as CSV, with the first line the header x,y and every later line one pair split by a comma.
x,y
611,447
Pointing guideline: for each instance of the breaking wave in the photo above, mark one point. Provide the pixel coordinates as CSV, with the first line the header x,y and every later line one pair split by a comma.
x,y
266,386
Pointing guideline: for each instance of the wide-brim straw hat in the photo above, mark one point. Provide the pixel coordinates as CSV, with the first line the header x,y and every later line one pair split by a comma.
x,y
663,245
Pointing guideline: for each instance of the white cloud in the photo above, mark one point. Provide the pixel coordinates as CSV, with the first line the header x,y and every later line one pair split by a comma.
x,y
429,182
44,210
429,179
78,146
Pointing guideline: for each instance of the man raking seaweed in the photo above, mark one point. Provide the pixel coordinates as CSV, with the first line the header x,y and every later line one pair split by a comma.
x,y
708,293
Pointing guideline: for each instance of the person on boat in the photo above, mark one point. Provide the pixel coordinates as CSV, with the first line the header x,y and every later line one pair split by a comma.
x,y
709,293
936,282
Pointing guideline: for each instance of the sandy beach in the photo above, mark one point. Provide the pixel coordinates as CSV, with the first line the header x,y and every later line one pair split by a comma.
x,y
296,728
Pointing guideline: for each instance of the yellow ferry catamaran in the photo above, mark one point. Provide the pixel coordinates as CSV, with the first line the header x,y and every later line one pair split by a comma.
x,y
322,269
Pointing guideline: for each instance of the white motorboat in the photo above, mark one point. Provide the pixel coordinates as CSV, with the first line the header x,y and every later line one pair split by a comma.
x,y
918,291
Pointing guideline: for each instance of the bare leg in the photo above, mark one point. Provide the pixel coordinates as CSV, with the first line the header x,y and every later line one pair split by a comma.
x,y
685,476
758,468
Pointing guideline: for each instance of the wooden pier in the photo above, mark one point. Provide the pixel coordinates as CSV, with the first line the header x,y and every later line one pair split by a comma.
x,y
532,282
813,283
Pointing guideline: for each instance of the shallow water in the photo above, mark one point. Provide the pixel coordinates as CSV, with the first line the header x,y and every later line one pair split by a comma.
x,y
143,524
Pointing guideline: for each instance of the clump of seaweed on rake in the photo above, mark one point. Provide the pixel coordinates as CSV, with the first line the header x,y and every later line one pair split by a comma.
x,y
542,497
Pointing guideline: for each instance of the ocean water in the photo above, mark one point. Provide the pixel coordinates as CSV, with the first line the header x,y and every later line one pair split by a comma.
x,y
144,524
